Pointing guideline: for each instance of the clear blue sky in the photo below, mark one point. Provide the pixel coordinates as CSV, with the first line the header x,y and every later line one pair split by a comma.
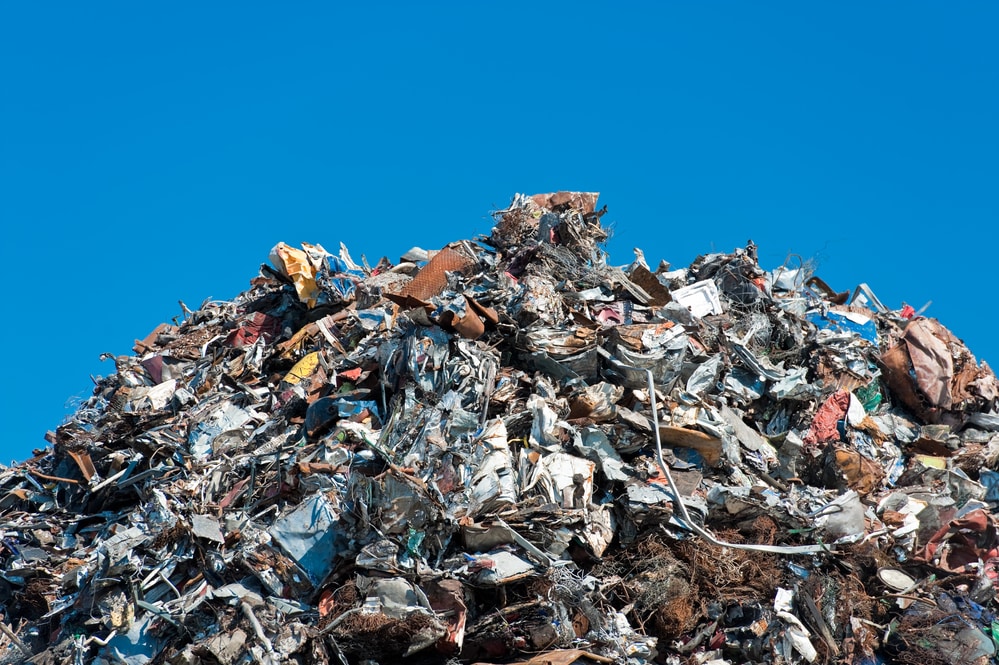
x,y
155,153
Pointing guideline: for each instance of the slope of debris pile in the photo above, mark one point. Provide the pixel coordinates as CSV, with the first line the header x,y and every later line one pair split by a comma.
x,y
509,450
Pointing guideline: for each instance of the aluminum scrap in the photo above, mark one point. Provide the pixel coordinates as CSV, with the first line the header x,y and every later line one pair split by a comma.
x,y
509,449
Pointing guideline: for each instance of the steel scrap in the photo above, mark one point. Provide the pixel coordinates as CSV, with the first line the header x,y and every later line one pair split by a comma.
x,y
509,450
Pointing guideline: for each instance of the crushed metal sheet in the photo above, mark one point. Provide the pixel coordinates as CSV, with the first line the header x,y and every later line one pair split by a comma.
x,y
511,449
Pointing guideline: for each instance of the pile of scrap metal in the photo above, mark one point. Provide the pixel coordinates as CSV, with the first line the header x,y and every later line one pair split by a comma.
x,y
509,450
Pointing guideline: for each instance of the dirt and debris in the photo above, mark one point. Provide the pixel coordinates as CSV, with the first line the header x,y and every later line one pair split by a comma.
x,y
509,450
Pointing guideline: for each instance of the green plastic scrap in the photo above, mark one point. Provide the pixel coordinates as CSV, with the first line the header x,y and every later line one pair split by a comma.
x,y
993,632
869,396
414,541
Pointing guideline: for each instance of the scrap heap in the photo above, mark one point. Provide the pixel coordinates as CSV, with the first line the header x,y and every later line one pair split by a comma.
x,y
509,450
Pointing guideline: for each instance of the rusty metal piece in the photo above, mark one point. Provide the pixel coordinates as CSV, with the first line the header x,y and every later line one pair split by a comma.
x,y
83,461
432,278
708,446
581,201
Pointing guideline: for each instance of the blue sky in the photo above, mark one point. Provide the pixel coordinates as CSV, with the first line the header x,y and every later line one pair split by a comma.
x,y
150,154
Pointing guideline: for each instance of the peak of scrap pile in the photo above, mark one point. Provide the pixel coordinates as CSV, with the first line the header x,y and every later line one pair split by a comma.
x,y
510,450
